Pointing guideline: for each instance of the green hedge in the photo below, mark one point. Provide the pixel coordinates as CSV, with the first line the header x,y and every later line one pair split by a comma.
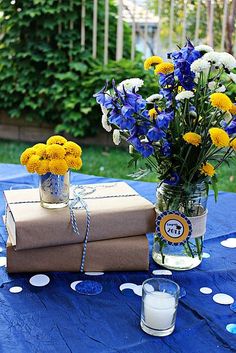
x,y
44,77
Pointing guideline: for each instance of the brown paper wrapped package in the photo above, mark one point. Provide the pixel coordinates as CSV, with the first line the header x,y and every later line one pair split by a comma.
x,y
126,254
116,211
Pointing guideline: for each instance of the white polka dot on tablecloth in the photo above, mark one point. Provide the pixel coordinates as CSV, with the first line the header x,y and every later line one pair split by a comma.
x,y
73,284
3,261
39,280
205,255
206,290
138,290
162,272
15,289
127,286
229,243
94,273
231,328
222,298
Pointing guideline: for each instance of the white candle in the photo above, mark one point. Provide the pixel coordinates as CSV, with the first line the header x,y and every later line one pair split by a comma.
x,y
159,310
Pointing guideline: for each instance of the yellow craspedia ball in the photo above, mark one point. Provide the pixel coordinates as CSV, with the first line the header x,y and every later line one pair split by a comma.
x,y
55,151
152,113
57,139
25,156
233,144
43,167
219,137
40,150
192,138
33,163
164,68
58,166
221,101
152,61
73,162
233,109
207,169
73,148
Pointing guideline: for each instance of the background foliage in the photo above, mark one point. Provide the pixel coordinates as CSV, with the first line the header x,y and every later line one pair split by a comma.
x,y
45,75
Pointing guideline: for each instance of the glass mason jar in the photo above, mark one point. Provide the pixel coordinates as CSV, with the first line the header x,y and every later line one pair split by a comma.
x,y
192,203
54,190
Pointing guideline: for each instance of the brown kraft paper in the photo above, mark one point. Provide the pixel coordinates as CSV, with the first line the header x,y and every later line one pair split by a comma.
x,y
127,254
113,215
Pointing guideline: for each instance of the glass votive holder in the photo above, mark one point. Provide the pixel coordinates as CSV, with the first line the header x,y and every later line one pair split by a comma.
x,y
159,305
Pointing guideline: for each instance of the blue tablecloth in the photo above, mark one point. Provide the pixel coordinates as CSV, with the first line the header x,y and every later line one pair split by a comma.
x,y
56,319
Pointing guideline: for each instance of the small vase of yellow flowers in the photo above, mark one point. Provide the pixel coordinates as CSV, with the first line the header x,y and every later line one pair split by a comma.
x,y
52,162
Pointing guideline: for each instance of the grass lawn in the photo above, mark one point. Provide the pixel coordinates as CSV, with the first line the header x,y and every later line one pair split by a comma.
x,y
110,162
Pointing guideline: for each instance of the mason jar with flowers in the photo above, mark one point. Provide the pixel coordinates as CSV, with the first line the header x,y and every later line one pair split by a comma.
x,y
183,132
52,162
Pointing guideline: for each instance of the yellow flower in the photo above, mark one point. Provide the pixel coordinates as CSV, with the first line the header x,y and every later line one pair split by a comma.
x,y
152,113
43,167
164,68
33,163
192,138
233,109
58,166
207,169
55,151
40,150
221,101
73,162
152,61
26,155
233,144
219,137
59,140
73,148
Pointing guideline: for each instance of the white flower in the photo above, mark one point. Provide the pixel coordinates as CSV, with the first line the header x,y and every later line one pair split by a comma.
x,y
104,110
154,97
184,95
130,84
213,57
200,65
213,87
227,117
227,60
233,77
116,137
221,89
131,149
204,48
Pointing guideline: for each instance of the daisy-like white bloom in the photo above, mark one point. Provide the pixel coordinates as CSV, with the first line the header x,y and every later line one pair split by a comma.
x,y
154,97
213,57
184,95
116,137
130,83
212,86
227,60
227,117
131,149
200,65
233,77
105,123
204,48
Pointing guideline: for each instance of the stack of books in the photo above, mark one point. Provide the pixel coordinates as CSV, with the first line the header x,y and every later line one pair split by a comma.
x,y
43,239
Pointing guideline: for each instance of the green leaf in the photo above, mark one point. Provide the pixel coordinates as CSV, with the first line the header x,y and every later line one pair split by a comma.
x,y
215,186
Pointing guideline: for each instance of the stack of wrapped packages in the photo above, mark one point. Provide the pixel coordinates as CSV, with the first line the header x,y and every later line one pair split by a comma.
x,y
42,239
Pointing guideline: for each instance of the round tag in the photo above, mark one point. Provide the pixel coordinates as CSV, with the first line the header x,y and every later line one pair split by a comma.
x,y
173,227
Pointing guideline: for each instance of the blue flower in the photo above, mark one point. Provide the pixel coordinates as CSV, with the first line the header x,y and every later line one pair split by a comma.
x,y
166,149
155,134
144,148
231,128
140,129
123,122
173,180
166,80
182,61
103,98
164,119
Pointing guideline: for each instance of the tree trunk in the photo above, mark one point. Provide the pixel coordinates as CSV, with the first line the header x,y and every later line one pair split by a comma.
x,y
230,27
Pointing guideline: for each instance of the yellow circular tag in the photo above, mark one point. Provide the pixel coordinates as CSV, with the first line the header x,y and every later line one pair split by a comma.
x,y
173,227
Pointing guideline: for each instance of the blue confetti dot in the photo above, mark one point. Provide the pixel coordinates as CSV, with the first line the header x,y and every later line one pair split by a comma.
x,y
182,293
233,307
231,328
89,288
